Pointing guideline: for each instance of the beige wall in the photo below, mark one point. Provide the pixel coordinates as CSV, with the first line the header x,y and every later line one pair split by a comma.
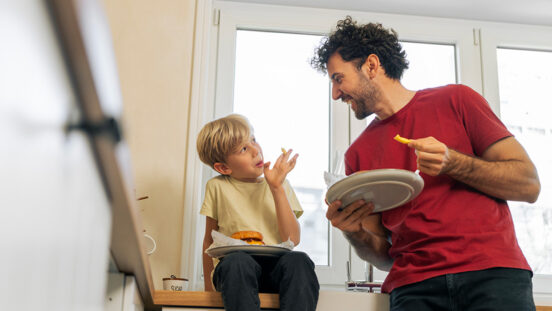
x,y
153,42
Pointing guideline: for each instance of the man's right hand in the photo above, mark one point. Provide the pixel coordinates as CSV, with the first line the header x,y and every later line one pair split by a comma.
x,y
364,231
349,219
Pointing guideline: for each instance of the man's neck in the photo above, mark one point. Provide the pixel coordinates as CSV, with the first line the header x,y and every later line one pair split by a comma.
x,y
395,97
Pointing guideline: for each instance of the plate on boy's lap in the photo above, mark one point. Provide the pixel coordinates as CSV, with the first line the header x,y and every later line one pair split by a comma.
x,y
386,188
257,250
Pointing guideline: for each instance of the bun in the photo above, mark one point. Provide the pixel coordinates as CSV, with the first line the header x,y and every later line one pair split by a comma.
x,y
254,242
251,237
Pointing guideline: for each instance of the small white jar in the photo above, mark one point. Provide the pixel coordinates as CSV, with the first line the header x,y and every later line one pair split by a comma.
x,y
175,284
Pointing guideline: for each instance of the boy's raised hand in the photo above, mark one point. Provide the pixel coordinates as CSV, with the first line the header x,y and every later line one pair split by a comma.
x,y
276,175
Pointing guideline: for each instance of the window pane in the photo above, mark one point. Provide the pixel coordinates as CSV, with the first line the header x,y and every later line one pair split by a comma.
x,y
525,108
430,65
288,105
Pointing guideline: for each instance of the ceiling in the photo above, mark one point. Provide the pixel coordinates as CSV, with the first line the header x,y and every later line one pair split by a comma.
x,y
535,12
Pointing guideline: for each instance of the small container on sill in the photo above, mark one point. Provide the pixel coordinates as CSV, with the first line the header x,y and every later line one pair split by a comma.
x,y
175,284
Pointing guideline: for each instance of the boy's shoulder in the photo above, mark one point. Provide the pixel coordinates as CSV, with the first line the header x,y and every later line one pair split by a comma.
x,y
227,180
218,180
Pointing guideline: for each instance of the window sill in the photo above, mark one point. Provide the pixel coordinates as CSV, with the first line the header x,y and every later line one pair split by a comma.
x,y
205,299
329,300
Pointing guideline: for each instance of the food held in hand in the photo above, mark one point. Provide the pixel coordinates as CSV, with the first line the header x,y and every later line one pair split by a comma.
x,y
401,140
284,151
251,237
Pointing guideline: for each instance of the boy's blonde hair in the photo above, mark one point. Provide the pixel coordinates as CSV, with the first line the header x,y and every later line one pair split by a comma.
x,y
218,138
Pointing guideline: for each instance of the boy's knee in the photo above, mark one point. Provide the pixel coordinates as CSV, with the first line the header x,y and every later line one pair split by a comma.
x,y
238,259
295,272
297,259
236,271
236,265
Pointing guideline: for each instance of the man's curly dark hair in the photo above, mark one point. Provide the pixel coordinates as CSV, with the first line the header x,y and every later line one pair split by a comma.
x,y
356,42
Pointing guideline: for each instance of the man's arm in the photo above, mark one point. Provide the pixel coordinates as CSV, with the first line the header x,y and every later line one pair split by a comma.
x,y
363,230
504,171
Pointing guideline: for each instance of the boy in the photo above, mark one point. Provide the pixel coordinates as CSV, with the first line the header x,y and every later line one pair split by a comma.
x,y
240,199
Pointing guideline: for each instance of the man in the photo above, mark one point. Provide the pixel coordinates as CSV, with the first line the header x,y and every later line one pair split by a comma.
x,y
454,246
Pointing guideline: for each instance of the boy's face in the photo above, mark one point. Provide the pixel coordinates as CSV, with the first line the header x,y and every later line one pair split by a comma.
x,y
245,164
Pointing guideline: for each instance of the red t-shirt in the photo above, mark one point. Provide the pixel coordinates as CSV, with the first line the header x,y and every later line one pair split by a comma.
x,y
450,227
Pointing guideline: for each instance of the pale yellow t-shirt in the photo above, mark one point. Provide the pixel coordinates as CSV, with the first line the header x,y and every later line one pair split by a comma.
x,y
240,206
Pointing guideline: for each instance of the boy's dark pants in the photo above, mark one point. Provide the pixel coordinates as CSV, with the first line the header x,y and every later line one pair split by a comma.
x,y
240,277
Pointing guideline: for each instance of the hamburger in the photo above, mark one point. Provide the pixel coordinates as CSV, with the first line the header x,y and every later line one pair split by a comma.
x,y
251,237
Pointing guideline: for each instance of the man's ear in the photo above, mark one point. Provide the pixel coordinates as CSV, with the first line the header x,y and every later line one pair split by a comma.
x,y
222,168
371,66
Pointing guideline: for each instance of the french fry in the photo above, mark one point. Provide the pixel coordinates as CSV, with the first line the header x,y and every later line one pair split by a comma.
x,y
401,140
284,151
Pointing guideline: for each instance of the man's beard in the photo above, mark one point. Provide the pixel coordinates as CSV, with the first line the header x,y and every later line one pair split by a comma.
x,y
366,95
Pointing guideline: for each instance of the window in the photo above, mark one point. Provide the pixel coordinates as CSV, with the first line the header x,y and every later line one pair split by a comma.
x,y
525,108
430,65
276,88
518,96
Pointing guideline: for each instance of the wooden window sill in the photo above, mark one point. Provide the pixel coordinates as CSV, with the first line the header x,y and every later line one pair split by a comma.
x,y
205,299
214,299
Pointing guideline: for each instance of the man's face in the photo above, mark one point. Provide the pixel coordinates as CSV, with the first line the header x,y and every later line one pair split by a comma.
x,y
352,86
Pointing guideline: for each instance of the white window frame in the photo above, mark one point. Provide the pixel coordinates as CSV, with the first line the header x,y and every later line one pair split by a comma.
x,y
526,37
475,44
495,35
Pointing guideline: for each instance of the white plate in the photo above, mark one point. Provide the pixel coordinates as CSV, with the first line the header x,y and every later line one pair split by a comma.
x,y
386,188
258,250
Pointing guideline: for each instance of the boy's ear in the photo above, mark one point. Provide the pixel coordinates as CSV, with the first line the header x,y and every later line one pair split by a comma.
x,y
222,168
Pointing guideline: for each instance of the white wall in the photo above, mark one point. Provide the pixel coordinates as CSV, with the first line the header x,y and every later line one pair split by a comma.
x,y
153,44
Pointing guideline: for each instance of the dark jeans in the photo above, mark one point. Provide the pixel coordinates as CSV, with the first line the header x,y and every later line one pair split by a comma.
x,y
240,277
492,289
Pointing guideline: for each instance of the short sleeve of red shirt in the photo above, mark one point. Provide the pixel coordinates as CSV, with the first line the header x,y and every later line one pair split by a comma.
x,y
482,126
